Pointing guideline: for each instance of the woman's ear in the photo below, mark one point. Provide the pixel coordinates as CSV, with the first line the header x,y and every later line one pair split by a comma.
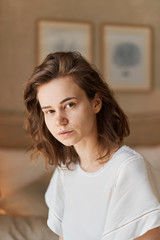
x,y
97,103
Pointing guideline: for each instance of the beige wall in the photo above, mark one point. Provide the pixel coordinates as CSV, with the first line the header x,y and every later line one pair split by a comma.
x,y
18,42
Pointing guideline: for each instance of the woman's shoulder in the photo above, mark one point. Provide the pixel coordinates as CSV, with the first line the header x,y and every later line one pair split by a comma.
x,y
131,164
64,170
126,157
126,154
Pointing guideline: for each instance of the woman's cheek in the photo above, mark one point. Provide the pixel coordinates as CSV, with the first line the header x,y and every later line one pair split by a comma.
x,y
49,124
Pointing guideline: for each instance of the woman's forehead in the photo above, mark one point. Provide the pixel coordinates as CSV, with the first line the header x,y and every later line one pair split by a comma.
x,y
59,89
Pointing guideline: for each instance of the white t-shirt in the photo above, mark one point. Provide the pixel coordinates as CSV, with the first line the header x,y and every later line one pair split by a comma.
x,y
113,203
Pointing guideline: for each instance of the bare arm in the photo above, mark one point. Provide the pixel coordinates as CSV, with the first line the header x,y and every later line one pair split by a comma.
x,y
60,238
153,234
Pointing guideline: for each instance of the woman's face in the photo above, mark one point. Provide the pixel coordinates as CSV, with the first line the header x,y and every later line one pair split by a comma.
x,y
69,115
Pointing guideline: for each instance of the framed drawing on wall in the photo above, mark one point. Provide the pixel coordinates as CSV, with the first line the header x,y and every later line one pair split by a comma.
x,y
127,57
53,36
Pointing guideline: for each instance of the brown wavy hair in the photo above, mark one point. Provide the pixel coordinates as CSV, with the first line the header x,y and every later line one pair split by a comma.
x,y
112,123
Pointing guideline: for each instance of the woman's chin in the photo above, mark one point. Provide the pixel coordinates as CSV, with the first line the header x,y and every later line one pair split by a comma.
x,y
67,143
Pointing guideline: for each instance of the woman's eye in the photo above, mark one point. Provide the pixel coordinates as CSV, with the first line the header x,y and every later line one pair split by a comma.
x,y
49,112
69,105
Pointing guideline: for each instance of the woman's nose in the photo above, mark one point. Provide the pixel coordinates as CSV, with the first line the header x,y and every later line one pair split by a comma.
x,y
61,120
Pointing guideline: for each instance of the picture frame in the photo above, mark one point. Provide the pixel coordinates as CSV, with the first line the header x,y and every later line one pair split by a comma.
x,y
60,35
127,57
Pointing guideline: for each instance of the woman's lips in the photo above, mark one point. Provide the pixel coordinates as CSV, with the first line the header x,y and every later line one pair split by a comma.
x,y
65,134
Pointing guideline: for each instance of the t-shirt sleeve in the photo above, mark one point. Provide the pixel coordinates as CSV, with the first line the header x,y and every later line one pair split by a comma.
x,y
54,198
133,208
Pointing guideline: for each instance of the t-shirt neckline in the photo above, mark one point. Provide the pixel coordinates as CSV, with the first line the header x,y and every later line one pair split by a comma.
x,y
99,171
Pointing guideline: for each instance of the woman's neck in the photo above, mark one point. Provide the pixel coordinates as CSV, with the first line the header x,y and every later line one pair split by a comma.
x,y
89,153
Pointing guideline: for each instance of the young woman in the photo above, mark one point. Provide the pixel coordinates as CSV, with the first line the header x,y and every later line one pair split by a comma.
x,y
100,188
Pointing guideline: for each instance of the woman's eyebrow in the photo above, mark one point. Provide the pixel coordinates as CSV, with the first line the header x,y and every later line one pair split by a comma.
x,y
45,107
67,99
63,101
